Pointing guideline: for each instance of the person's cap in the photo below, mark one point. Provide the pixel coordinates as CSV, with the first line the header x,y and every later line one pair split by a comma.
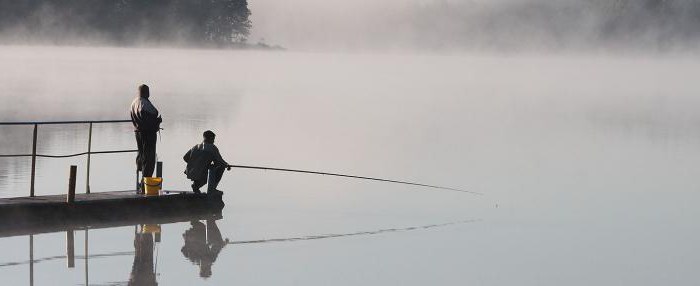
x,y
209,134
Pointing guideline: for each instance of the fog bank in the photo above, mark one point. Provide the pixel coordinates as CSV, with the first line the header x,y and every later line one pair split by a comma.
x,y
505,25
433,25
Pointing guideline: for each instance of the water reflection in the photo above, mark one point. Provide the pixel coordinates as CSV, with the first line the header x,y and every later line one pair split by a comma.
x,y
359,233
143,269
203,243
146,238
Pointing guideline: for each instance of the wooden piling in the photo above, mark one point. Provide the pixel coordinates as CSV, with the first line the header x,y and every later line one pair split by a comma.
x,y
71,184
159,169
31,187
89,152
159,172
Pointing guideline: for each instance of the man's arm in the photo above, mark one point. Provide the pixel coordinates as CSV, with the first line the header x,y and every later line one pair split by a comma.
x,y
133,114
217,157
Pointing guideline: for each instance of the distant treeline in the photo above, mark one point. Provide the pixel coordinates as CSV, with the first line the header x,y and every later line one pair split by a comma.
x,y
538,24
125,22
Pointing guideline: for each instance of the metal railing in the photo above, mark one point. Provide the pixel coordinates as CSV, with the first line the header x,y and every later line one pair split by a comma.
x,y
89,152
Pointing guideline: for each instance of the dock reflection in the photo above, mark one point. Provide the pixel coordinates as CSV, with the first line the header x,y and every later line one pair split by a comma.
x,y
202,243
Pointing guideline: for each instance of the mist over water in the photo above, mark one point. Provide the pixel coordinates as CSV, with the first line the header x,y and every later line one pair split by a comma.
x,y
453,26
576,119
509,26
586,162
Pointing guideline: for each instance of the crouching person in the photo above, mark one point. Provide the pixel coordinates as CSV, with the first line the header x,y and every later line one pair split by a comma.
x,y
204,163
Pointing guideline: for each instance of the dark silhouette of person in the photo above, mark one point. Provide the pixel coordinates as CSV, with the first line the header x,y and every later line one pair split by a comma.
x,y
202,245
204,162
142,271
146,122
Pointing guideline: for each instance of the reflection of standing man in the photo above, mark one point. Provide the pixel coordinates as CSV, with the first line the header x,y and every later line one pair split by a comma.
x,y
202,245
146,122
142,272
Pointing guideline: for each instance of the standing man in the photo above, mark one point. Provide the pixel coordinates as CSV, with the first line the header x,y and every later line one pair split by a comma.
x,y
146,122
205,160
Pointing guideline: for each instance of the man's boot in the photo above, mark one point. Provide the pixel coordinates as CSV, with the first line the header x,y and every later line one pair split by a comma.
x,y
195,189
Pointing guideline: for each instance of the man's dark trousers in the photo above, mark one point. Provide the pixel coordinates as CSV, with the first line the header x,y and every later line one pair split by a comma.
x,y
215,174
146,158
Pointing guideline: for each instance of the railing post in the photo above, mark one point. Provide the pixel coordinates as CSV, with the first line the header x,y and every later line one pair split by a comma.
x,y
71,185
31,188
87,175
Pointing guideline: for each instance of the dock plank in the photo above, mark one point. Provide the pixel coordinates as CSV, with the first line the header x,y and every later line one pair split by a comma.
x,y
100,208
85,197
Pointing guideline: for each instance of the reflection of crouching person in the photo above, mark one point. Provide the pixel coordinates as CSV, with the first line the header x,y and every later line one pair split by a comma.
x,y
202,159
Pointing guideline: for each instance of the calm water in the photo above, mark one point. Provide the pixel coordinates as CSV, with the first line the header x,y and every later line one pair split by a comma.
x,y
588,164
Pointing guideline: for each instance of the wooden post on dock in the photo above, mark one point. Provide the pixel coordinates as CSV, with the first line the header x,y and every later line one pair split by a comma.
x,y
70,248
159,169
159,172
71,184
31,187
87,174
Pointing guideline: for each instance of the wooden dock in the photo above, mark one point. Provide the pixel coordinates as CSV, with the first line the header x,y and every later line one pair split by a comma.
x,y
25,215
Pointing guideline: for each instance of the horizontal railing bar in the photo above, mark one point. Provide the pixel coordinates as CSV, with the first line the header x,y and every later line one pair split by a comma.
x,y
70,155
63,122
113,152
62,156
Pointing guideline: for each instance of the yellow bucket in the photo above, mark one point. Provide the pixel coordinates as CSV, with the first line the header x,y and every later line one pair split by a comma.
x,y
152,185
150,228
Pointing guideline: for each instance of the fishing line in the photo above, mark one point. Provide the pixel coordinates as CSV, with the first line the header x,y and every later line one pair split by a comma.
x,y
352,176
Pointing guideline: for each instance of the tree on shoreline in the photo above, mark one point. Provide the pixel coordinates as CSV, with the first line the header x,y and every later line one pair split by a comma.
x,y
127,22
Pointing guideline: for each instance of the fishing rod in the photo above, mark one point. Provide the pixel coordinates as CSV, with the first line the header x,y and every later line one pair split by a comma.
x,y
351,176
